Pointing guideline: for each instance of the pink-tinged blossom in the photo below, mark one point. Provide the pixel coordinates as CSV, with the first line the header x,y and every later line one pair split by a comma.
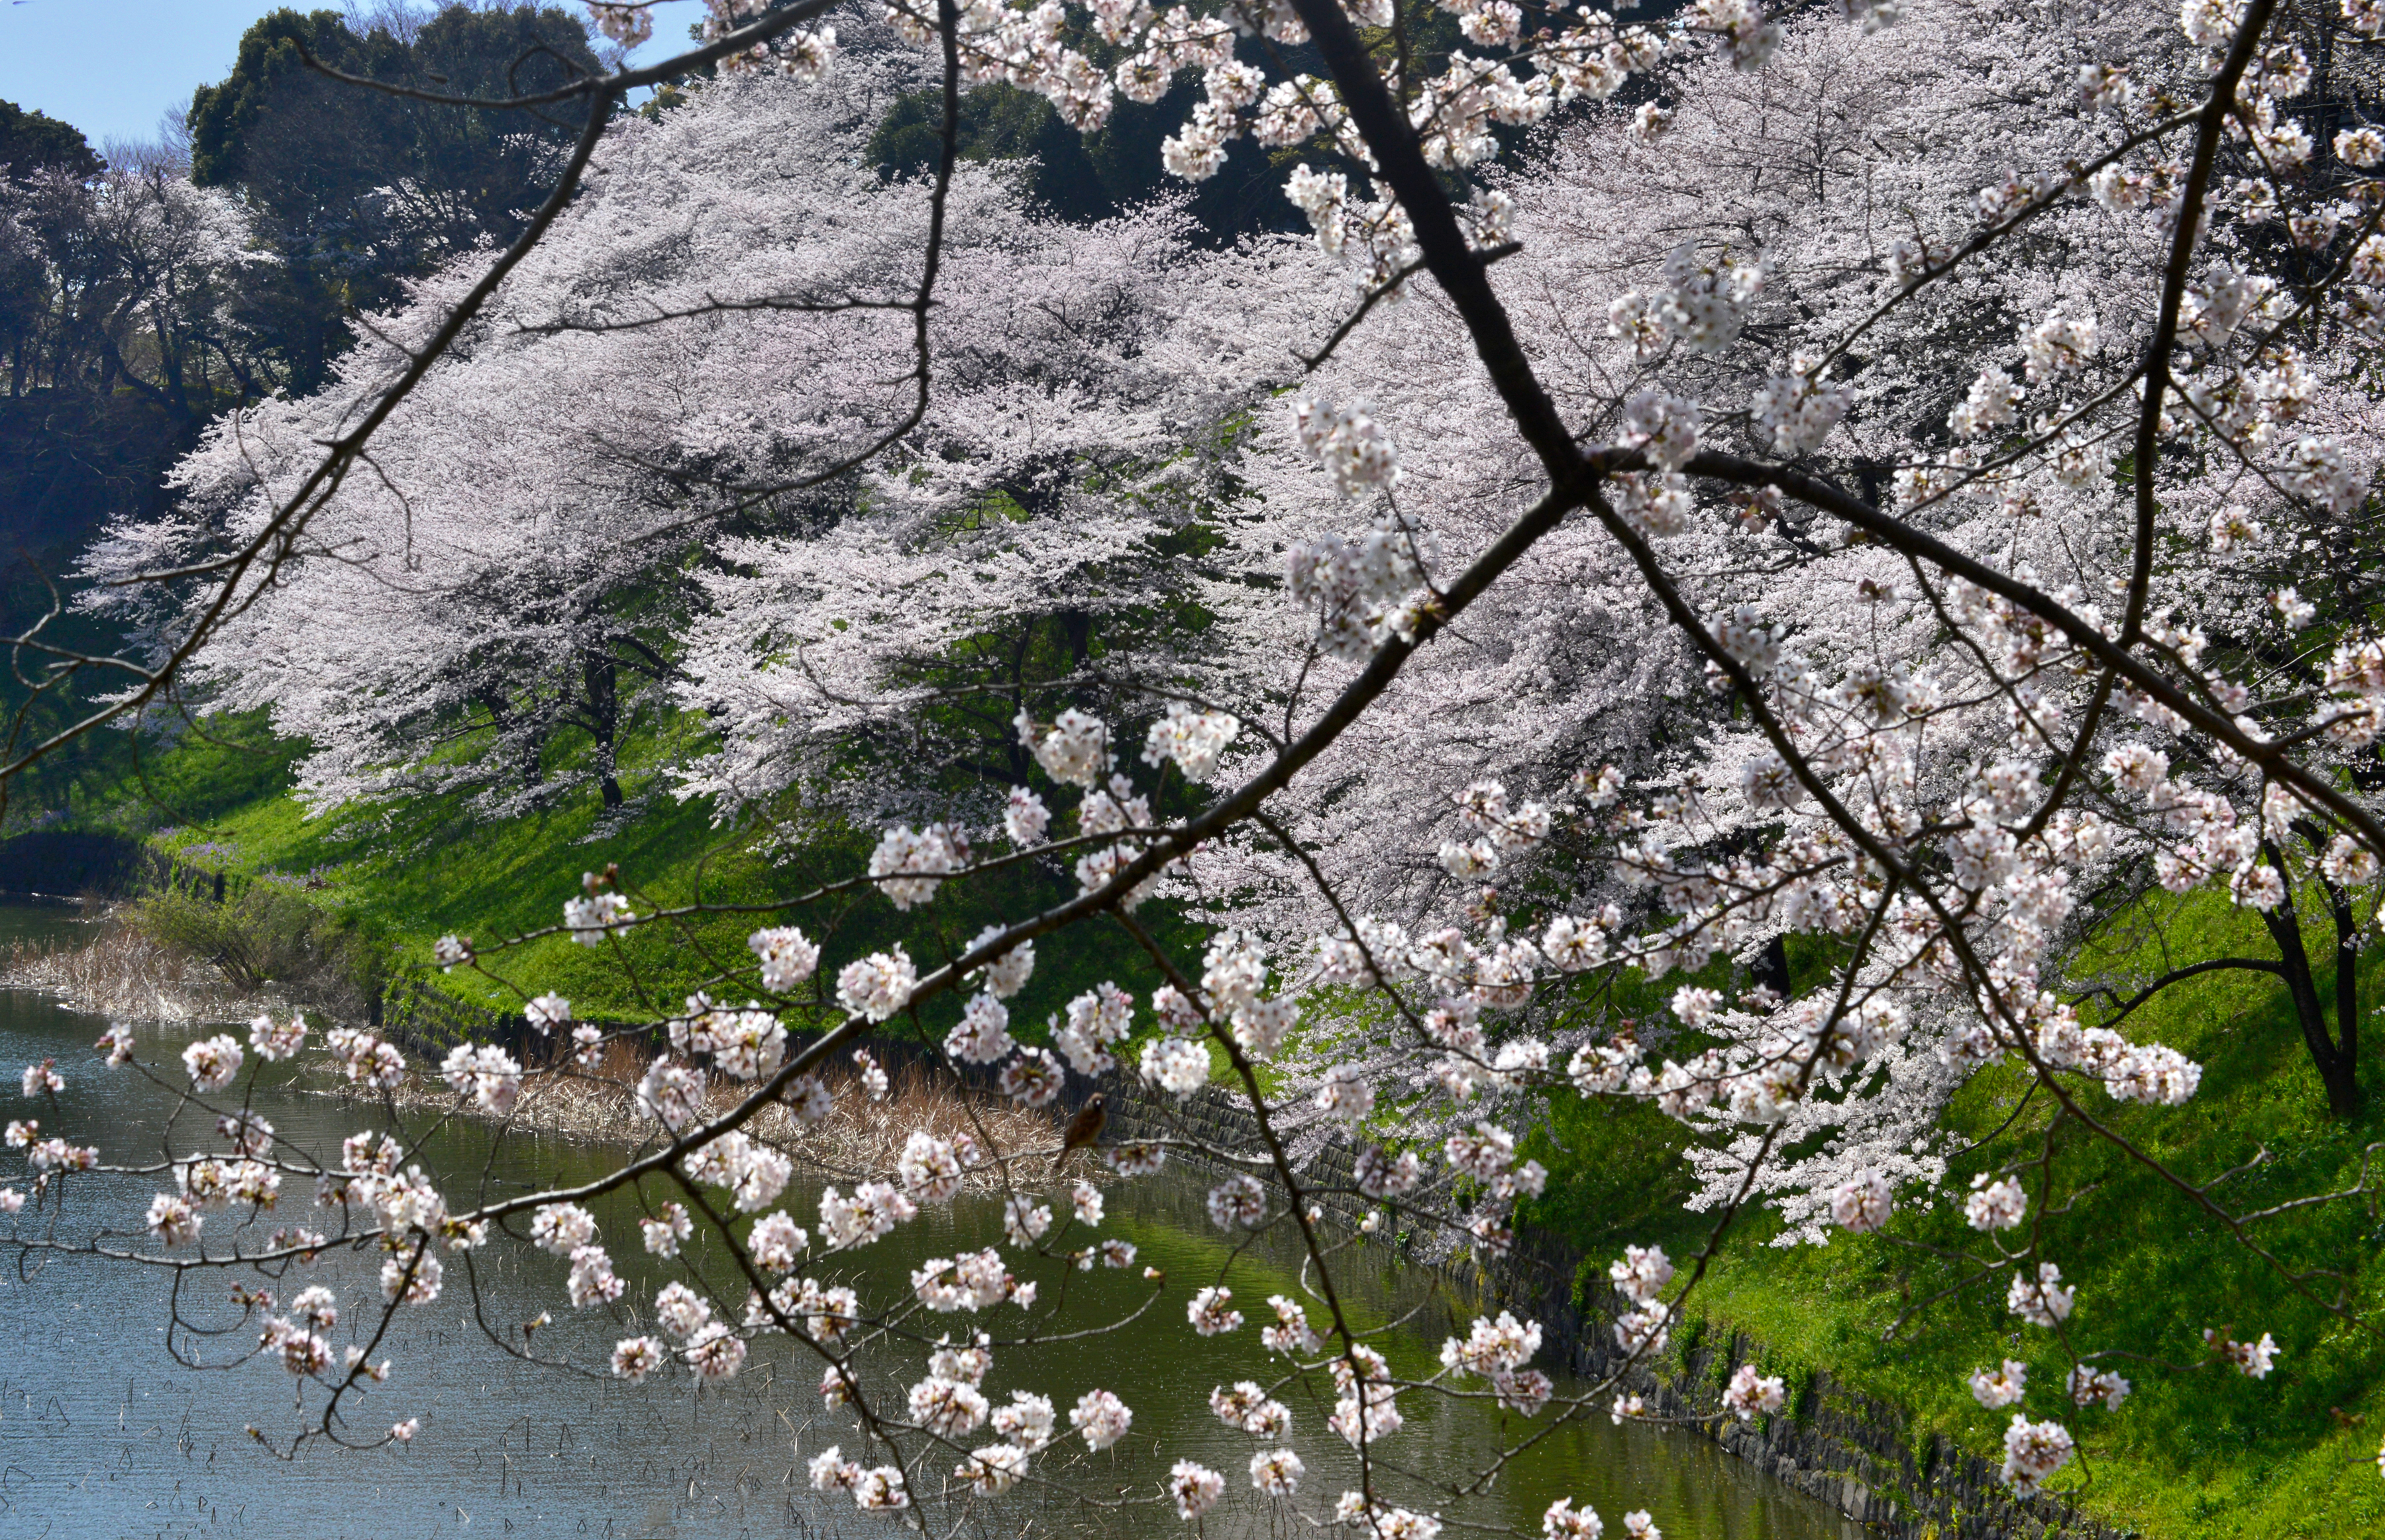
x,y
1194,740
663,1233
872,1075
1238,1202
1074,751
2041,1300
1101,1419
1493,1348
909,866
787,956
1348,1094
170,1219
249,1134
672,1094
412,1279
1134,1159
830,1471
1384,1520
1563,1521
2097,1387
880,1489
1643,1330
485,1074
1348,442
877,986
635,1357
992,1470
808,1098
1033,1078
1176,1065
1862,1204
2033,1451
982,1035
1277,1473
1997,1205
1025,818
714,1352
1641,1274
777,1243
1383,1175
1024,1220
1211,1311
277,1041
1994,1388
1027,1422
1195,1488
589,920
369,1063
560,1229
213,1062
2252,1360
949,1409
1007,974
869,1214
1750,1395
592,1280
1291,1335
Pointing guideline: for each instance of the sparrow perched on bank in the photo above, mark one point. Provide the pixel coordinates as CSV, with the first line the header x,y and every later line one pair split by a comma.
x,y
1083,1129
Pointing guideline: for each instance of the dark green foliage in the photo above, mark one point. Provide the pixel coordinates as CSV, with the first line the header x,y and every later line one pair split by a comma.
x,y
263,935
1616,1175
362,189
68,460
31,142
1083,176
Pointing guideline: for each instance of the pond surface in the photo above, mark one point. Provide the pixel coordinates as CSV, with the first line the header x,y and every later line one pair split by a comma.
x,y
103,1434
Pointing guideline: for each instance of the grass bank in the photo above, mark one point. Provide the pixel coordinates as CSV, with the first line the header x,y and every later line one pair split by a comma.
x,y
2195,1454
403,875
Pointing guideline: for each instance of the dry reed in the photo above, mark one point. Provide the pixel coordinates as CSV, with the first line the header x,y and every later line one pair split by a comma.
x,y
858,1138
123,974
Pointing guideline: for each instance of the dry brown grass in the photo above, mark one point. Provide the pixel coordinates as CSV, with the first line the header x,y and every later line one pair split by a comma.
x,y
119,971
858,1138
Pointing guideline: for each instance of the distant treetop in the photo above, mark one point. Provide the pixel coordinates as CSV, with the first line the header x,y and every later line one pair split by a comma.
x,y
32,142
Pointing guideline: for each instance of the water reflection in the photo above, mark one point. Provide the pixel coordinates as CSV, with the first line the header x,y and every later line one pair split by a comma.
x,y
102,1433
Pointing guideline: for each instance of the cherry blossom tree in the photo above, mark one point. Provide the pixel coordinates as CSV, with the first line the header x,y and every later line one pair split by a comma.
x,y
1842,498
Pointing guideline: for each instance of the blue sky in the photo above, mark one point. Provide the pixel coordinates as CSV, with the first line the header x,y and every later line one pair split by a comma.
x,y
111,67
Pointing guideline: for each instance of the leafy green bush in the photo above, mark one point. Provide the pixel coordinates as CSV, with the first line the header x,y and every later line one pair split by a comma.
x,y
260,935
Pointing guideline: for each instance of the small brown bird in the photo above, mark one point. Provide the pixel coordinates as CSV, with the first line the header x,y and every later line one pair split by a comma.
x,y
1083,1129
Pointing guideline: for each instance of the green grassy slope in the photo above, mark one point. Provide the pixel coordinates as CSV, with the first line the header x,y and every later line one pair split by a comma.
x,y
2204,1452
409,875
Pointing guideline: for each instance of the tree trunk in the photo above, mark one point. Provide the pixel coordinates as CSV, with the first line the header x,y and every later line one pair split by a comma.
x,y
1770,967
2332,1054
530,746
602,680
